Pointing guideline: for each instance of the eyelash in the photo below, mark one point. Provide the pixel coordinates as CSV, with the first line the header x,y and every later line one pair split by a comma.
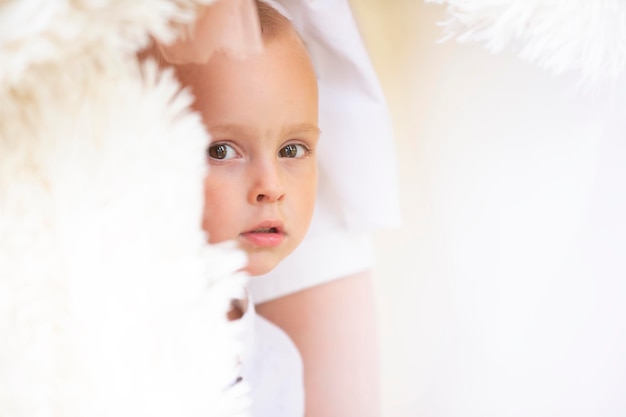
x,y
213,151
215,146
306,150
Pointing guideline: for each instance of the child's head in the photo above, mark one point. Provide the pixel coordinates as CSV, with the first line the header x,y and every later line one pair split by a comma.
x,y
262,113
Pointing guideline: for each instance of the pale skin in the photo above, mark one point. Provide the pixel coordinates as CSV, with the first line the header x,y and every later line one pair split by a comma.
x,y
262,114
332,324
334,327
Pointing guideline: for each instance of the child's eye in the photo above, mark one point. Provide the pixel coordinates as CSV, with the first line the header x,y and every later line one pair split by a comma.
x,y
221,151
293,150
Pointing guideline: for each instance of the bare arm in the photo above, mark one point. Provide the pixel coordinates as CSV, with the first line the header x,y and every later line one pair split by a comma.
x,y
334,327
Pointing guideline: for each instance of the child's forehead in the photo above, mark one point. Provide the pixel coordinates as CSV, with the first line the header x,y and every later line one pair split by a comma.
x,y
278,55
249,130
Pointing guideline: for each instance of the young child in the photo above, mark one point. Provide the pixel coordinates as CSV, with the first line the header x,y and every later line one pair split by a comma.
x,y
262,113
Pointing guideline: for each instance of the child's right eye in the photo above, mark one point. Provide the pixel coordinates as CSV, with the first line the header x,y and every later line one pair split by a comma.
x,y
221,152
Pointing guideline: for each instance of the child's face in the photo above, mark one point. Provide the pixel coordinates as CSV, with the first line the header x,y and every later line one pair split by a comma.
x,y
262,115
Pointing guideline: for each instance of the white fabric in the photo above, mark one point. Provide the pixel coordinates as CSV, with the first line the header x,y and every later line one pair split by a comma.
x,y
271,366
356,151
358,189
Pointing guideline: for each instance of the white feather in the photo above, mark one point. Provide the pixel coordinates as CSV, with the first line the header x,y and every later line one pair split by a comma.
x,y
586,37
34,32
111,303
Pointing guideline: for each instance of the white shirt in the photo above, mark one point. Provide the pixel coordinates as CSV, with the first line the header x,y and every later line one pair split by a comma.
x,y
271,365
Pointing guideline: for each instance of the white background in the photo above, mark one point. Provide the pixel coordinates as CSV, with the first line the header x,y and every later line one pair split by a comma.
x,y
504,294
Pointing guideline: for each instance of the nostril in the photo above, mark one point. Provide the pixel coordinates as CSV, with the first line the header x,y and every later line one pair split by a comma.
x,y
260,197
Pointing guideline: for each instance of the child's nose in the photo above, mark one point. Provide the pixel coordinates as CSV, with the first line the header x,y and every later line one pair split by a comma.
x,y
268,184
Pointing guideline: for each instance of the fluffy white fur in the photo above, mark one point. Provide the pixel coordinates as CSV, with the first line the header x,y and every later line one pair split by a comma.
x,y
111,303
586,37
43,31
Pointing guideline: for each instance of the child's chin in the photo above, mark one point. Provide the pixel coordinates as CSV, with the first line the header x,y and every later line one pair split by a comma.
x,y
263,261
260,268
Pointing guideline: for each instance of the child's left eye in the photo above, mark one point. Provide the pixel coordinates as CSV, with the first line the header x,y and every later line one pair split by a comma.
x,y
293,150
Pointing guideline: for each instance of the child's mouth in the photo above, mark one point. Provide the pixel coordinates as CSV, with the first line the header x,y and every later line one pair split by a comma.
x,y
265,235
265,230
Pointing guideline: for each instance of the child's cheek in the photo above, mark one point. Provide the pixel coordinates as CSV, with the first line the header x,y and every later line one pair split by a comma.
x,y
218,208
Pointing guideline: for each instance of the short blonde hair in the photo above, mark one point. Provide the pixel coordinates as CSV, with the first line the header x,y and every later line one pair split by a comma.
x,y
272,22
